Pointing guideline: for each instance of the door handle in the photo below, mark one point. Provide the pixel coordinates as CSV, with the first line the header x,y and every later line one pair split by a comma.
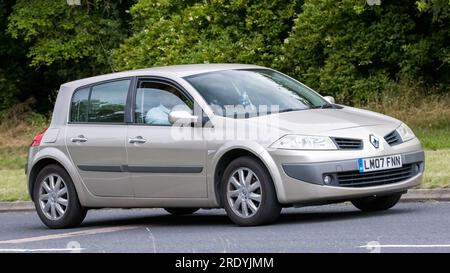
x,y
137,139
79,138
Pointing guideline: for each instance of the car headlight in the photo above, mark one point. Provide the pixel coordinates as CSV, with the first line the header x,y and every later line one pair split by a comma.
x,y
405,132
299,142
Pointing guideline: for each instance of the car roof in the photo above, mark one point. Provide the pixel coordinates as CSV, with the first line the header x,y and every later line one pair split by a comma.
x,y
173,70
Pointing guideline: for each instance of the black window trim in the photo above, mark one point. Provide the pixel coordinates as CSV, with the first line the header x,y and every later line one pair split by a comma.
x,y
163,80
90,86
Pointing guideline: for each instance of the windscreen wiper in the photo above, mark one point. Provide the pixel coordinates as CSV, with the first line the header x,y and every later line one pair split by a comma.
x,y
324,106
289,110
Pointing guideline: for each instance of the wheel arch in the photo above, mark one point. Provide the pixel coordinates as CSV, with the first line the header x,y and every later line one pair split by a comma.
x,y
227,155
48,156
37,167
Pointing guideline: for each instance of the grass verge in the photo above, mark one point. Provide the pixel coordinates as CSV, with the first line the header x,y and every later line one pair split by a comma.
x,y
428,116
437,169
13,186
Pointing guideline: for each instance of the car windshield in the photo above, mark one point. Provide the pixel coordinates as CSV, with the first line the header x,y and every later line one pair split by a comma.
x,y
243,93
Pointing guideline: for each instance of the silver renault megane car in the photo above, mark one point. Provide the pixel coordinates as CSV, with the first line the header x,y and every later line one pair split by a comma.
x,y
244,138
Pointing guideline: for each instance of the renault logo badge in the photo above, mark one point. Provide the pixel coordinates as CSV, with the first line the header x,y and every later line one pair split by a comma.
x,y
375,141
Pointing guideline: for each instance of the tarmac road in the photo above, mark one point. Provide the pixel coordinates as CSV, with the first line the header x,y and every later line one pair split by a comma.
x,y
408,227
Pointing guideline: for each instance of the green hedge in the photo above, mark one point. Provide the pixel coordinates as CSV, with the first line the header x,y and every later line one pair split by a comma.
x,y
343,48
179,32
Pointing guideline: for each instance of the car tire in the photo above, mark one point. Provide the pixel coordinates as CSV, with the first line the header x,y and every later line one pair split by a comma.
x,y
181,211
377,203
57,205
267,208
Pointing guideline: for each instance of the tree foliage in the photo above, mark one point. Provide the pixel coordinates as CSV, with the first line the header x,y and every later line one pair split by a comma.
x,y
347,48
353,50
176,32
10,60
59,33
61,43
344,48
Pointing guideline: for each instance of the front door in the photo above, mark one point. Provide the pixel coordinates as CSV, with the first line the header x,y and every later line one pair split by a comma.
x,y
96,135
161,162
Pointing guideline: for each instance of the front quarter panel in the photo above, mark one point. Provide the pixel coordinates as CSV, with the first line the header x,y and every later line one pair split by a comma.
x,y
217,151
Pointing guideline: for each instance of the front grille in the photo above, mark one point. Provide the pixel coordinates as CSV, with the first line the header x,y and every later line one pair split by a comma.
x,y
348,143
357,179
393,138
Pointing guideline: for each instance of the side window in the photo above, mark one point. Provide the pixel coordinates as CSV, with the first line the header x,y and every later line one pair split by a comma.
x,y
154,102
79,106
107,103
103,103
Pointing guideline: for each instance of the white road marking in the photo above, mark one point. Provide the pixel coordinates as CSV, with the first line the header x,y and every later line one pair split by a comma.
x,y
403,246
40,249
69,234
151,237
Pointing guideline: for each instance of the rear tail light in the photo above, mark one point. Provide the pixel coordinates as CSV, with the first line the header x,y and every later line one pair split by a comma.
x,y
37,139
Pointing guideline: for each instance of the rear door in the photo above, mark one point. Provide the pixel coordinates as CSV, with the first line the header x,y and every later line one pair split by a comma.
x,y
96,135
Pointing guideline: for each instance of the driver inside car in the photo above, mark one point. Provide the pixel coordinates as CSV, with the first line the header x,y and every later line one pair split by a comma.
x,y
168,102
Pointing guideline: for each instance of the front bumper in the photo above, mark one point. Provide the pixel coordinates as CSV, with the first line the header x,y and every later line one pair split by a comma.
x,y
315,172
302,173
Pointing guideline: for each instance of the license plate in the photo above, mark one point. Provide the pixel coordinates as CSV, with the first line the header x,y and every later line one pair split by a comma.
x,y
379,163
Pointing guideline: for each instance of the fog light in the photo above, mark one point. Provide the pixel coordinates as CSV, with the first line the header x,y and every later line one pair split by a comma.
x,y
417,168
327,179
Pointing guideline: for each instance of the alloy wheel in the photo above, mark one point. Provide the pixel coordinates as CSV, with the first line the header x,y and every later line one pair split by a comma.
x,y
53,197
244,192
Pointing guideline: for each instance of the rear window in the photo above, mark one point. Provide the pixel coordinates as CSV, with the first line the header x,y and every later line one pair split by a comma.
x,y
102,103
80,104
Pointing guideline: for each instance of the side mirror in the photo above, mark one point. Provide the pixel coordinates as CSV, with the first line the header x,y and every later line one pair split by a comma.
x,y
330,99
182,117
